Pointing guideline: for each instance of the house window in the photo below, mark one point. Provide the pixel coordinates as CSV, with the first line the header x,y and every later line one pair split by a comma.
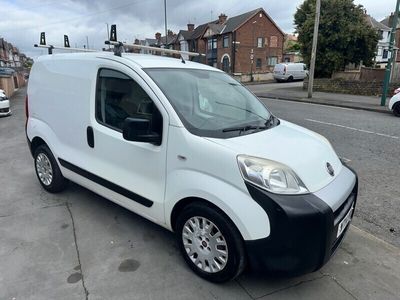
x,y
273,41
272,60
212,43
258,63
380,34
225,43
385,53
259,42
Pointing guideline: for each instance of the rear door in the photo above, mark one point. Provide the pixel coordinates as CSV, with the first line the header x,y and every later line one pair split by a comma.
x,y
130,173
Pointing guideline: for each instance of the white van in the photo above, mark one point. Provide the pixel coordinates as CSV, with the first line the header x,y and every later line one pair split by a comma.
x,y
191,149
290,72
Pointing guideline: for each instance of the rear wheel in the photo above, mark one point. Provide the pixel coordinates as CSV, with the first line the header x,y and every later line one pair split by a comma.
x,y
210,243
47,170
396,109
290,79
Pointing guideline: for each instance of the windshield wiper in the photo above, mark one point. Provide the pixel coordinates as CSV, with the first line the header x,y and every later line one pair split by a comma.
x,y
243,128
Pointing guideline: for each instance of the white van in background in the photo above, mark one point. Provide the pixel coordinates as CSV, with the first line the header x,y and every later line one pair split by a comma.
x,y
290,72
191,149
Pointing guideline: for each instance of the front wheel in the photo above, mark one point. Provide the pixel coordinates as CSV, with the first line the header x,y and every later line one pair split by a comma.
x,y
210,243
396,109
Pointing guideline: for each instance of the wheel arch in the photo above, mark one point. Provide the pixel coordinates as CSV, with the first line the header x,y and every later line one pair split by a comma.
x,y
35,143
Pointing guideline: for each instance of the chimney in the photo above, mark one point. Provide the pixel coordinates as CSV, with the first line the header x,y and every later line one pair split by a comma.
x,y
190,27
222,18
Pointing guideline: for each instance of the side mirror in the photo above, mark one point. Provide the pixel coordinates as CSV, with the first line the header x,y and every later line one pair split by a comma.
x,y
138,130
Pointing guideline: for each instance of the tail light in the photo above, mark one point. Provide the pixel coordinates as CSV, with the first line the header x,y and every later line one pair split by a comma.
x,y
26,111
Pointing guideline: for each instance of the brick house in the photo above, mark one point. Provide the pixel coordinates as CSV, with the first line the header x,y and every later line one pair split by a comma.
x,y
249,43
388,22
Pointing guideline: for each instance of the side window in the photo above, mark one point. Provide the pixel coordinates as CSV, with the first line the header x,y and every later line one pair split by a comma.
x,y
119,97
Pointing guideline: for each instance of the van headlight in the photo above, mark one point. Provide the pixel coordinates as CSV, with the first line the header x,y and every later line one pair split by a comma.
x,y
270,175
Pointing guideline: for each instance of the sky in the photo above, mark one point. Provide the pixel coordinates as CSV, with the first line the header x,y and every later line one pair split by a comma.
x,y
22,21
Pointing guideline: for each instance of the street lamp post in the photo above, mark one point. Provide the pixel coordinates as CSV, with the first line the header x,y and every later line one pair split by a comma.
x,y
392,52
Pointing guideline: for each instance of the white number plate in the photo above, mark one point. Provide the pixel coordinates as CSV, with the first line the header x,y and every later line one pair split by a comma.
x,y
343,224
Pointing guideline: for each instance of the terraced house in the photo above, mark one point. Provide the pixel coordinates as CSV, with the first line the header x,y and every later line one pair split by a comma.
x,y
249,44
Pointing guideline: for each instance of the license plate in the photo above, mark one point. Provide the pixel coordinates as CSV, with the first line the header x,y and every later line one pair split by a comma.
x,y
343,224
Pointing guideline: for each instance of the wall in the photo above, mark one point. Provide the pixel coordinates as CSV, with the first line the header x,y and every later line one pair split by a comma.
x,y
365,74
7,83
353,87
256,77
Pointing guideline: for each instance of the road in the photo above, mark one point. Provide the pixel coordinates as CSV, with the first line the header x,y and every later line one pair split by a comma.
x,y
370,142
78,245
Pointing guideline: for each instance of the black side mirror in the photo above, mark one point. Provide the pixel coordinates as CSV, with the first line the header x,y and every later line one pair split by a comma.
x,y
139,130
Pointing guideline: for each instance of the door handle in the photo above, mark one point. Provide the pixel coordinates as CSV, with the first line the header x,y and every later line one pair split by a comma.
x,y
90,136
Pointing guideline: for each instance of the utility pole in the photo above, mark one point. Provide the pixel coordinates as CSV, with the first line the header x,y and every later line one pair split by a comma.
x,y
392,52
87,42
314,49
165,16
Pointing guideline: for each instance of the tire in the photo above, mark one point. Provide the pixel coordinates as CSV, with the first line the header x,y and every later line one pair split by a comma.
x,y
396,109
231,257
290,79
47,170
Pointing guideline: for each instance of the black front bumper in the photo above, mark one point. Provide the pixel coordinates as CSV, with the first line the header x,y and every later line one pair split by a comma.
x,y
303,232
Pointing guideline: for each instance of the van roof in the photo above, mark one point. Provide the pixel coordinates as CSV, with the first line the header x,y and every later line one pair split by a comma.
x,y
141,60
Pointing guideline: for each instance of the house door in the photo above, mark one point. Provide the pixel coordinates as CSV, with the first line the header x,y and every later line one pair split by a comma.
x,y
225,64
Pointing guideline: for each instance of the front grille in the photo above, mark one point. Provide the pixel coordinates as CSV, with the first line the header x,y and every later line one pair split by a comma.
x,y
4,110
339,214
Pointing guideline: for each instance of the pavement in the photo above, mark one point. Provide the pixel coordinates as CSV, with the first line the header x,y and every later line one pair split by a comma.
x,y
293,91
78,245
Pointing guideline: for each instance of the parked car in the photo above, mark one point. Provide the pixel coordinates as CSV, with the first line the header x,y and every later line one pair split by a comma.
x,y
4,104
394,103
191,149
290,72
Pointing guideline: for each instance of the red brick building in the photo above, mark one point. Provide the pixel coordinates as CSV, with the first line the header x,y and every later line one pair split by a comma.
x,y
249,43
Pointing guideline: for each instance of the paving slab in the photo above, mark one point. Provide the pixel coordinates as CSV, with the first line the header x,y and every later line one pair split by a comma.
x,y
38,255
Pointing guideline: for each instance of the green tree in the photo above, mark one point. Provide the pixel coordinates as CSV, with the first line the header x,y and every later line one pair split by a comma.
x,y
344,36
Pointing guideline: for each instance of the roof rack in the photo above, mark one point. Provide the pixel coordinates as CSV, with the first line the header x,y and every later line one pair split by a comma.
x,y
50,48
119,47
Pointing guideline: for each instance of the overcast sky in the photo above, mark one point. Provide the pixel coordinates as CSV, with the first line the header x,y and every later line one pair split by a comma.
x,y
22,21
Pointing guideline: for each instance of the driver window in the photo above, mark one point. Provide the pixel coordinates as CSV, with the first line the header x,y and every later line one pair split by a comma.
x,y
119,97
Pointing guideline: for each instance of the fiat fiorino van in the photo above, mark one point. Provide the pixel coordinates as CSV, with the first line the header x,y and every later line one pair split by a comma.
x,y
191,149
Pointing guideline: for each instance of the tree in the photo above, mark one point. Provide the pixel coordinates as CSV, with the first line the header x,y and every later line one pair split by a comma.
x,y
344,36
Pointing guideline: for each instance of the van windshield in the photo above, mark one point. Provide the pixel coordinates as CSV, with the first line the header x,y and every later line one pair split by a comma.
x,y
211,103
